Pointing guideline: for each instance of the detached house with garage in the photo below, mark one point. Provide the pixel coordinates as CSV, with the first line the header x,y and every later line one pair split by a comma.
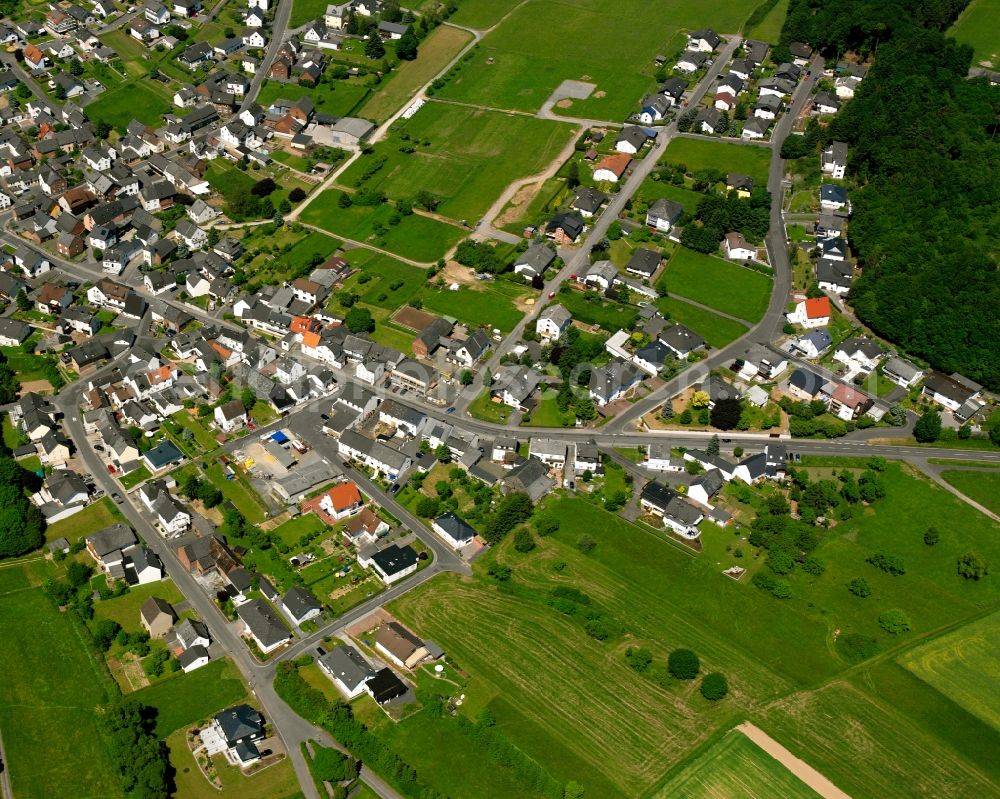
x,y
455,531
348,670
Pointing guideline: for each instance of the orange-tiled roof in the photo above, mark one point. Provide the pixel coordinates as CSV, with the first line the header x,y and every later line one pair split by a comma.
x,y
157,376
848,395
617,163
222,351
817,307
343,496
310,339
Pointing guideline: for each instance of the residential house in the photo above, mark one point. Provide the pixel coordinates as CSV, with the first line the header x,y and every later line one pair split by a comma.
x,y
663,214
535,260
612,168
847,403
564,228
241,727
231,416
342,501
391,564
552,322
453,529
902,372
811,313
157,616
262,626
833,160
401,646
300,606
348,669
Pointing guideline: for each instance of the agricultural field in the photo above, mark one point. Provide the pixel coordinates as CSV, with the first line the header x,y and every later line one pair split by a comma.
x,y
417,237
964,665
729,288
469,157
979,27
434,54
572,702
983,487
516,67
188,698
716,330
482,14
867,748
736,768
49,693
698,154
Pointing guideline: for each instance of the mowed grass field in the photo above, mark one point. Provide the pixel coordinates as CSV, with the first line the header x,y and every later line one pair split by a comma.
x,y
339,97
698,154
611,43
472,156
81,524
867,748
48,697
983,487
979,27
736,768
727,287
964,665
434,54
417,237
573,703
134,100
716,330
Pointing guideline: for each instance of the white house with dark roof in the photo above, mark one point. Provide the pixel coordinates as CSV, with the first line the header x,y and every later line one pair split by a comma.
x,y
534,261
455,531
348,670
552,322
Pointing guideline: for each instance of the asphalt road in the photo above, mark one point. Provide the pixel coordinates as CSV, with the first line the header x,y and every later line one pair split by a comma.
x,y
279,24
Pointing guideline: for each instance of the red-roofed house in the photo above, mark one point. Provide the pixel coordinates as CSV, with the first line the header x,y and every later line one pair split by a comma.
x,y
338,503
34,57
612,168
811,313
848,403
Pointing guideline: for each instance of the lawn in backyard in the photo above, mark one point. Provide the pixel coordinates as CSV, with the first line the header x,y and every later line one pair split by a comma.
x,y
716,330
593,309
471,156
188,698
337,97
736,768
547,413
286,253
964,665
81,524
698,154
983,487
434,54
573,703
50,692
517,67
417,237
227,179
979,27
291,531
124,609
727,287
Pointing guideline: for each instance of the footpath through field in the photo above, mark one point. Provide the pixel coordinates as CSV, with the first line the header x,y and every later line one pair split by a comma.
x,y
798,767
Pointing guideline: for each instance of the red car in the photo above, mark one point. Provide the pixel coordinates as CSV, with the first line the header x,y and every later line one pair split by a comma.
x,y
111,468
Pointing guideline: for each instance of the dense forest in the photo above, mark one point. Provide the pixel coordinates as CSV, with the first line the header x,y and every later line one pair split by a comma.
x,y
924,150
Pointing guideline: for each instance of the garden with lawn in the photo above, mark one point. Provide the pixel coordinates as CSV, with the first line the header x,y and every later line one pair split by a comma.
x,y
464,156
717,330
337,97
